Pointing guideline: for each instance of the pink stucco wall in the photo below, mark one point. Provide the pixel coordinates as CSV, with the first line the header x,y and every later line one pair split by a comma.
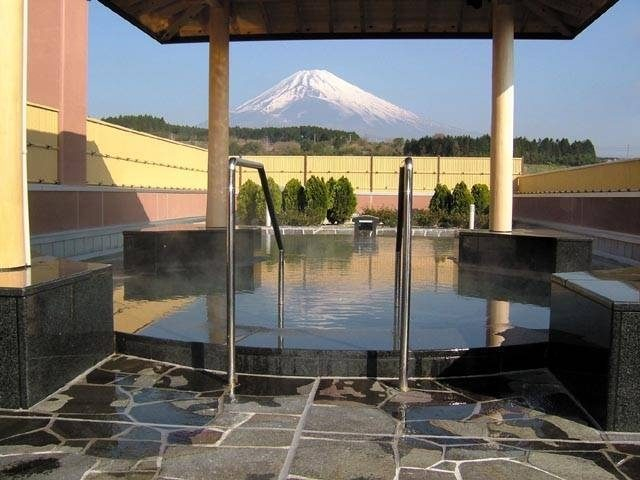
x,y
57,211
57,76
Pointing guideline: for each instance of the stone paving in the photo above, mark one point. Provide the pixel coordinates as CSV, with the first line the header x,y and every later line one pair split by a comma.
x,y
135,419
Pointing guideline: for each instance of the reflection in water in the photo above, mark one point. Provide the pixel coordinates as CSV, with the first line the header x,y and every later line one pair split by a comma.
x,y
217,317
497,322
338,295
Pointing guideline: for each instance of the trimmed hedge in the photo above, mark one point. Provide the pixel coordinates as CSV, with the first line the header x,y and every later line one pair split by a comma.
x,y
481,198
261,203
317,200
247,203
293,196
441,200
342,200
461,199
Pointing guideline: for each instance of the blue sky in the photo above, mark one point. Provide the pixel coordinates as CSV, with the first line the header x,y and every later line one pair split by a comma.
x,y
585,88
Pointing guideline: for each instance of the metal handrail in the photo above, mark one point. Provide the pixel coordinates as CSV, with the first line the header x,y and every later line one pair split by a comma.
x,y
402,299
234,163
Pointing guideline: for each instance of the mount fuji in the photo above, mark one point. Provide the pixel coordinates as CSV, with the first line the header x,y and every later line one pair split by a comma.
x,y
320,98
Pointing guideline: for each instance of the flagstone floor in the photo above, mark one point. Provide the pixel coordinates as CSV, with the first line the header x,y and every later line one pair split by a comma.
x,y
130,418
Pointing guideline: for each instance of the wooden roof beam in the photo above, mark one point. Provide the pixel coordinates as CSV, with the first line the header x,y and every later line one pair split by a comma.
x,y
265,16
332,18
363,17
233,18
564,7
187,15
427,15
394,16
299,23
550,16
152,6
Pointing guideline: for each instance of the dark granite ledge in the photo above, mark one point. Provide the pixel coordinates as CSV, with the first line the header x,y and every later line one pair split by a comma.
x,y
522,249
358,363
45,273
616,289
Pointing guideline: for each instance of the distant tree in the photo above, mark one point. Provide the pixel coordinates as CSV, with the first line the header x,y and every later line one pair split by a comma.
x,y
261,203
441,200
461,199
317,199
481,197
293,196
344,201
247,203
331,187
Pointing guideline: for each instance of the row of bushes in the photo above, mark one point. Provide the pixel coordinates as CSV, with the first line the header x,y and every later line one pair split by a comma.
x,y
335,201
446,209
296,204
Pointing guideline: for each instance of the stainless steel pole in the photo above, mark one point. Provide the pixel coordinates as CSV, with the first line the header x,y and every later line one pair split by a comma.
x,y
280,296
405,283
231,282
398,272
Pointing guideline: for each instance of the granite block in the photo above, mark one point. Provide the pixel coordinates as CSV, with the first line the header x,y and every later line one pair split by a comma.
x,y
625,373
9,354
57,321
529,250
161,250
594,342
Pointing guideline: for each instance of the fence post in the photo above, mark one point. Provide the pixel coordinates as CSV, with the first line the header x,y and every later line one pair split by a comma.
x,y
438,171
305,170
472,216
371,174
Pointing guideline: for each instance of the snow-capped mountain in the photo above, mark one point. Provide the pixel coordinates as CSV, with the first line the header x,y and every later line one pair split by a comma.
x,y
318,97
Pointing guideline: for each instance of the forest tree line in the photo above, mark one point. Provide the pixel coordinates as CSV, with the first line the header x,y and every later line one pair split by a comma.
x,y
536,151
325,141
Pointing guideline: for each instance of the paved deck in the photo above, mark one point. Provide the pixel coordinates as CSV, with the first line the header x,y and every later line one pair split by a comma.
x,y
135,419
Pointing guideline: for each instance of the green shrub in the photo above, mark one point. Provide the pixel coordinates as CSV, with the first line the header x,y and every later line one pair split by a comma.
x,y
482,221
454,220
423,217
261,203
317,199
331,190
461,199
481,198
293,196
388,216
295,218
247,202
344,201
441,200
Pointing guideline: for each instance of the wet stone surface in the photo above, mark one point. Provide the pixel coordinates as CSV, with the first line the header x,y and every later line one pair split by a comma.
x,y
136,419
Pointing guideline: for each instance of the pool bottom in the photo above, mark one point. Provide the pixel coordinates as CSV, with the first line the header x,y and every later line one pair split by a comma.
x,y
344,363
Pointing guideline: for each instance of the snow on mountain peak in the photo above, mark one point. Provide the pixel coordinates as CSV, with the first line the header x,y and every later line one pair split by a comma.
x,y
318,97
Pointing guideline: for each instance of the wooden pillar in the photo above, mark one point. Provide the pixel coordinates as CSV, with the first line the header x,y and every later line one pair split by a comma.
x,y
218,163
501,180
14,241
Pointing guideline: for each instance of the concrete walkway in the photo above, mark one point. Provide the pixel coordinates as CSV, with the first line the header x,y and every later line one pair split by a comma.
x,y
135,419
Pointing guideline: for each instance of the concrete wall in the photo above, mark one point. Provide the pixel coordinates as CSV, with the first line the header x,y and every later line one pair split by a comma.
x,y
611,219
601,201
616,212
